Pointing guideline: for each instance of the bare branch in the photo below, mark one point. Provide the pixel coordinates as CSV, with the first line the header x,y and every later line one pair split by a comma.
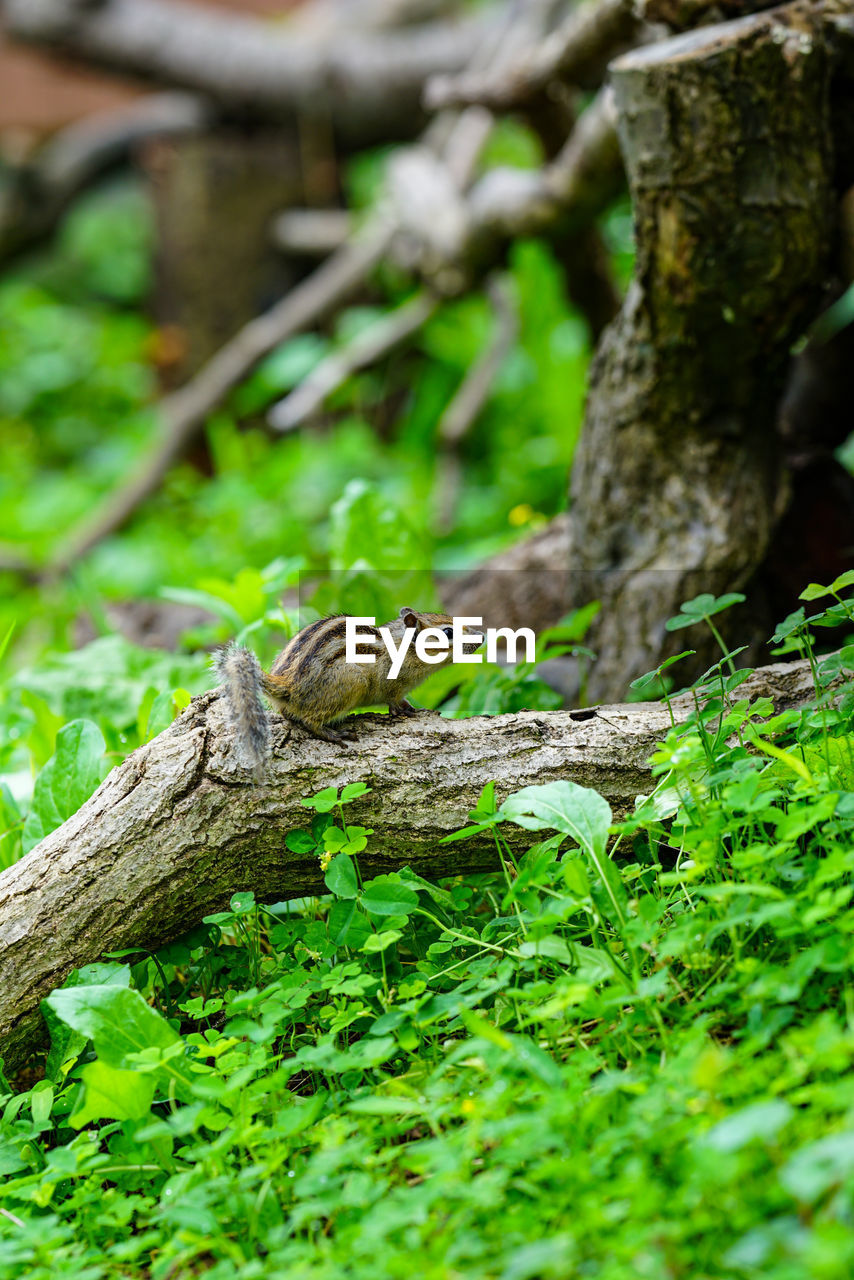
x,y
312,232
180,826
184,411
368,348
368,85
576,53
369,15
462,412
472,394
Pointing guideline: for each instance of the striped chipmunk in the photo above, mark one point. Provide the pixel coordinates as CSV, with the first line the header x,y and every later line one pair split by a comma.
x,y
313,685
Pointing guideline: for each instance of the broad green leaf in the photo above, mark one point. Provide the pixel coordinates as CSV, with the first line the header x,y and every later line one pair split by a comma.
x,y
551,947
67,780
109,1093
564,806
116,1019
341,878
66,1043
761,1120
300,842
388,896
819,1166
582,814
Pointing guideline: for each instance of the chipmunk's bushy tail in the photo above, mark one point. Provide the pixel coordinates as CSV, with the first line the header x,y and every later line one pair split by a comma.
x,y
241,677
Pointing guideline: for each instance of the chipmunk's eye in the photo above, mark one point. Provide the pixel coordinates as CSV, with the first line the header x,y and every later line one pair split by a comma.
x,y
449,631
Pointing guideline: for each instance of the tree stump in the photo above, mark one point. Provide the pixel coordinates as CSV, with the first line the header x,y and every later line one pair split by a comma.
x,y
679,479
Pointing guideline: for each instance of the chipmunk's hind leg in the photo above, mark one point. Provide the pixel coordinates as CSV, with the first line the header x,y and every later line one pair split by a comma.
x,y
403,708
324,732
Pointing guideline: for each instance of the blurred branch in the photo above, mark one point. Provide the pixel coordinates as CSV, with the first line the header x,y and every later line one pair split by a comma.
x,y
183,412
575,53
368,85
369,347
459,139
571,192
371,15
312,232
450,238
471,396
462,412
36,194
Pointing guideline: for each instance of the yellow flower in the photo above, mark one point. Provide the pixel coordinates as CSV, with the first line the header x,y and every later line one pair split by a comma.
x,y
522,514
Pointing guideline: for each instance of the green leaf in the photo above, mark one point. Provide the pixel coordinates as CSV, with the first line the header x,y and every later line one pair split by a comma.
x,y
816,1168
323,802
11,826
486,799
701,607
376,942
761,1120
440,896
116,1019
814,591
164,708
651,676
41,1104
387,896
564,806
110,1093
65,1043
353,790
67,780
242,903
582,814
341,878
300,842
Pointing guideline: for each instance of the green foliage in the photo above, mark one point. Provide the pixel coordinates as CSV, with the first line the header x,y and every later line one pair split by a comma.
x,y
68,778
77,386
626,1052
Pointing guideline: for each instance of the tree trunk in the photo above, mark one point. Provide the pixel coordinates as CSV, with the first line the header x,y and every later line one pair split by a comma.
x,y
179,826
215,197
678,479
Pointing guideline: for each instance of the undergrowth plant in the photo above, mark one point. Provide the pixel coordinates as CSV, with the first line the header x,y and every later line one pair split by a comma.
x,y
627,1052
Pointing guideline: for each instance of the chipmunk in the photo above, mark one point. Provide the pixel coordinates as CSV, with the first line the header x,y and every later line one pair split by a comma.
x,y
312,684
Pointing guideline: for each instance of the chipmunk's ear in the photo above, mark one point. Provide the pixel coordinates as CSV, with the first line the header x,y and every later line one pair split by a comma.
x,y
409,616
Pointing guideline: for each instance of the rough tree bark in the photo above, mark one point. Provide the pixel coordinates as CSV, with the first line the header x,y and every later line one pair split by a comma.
x,y
179,826
677,483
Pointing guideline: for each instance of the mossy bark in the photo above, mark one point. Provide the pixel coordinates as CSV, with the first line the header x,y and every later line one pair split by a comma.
x,y
678,480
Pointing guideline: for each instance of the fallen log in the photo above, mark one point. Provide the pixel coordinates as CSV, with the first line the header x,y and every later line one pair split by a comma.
x,y
179,826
